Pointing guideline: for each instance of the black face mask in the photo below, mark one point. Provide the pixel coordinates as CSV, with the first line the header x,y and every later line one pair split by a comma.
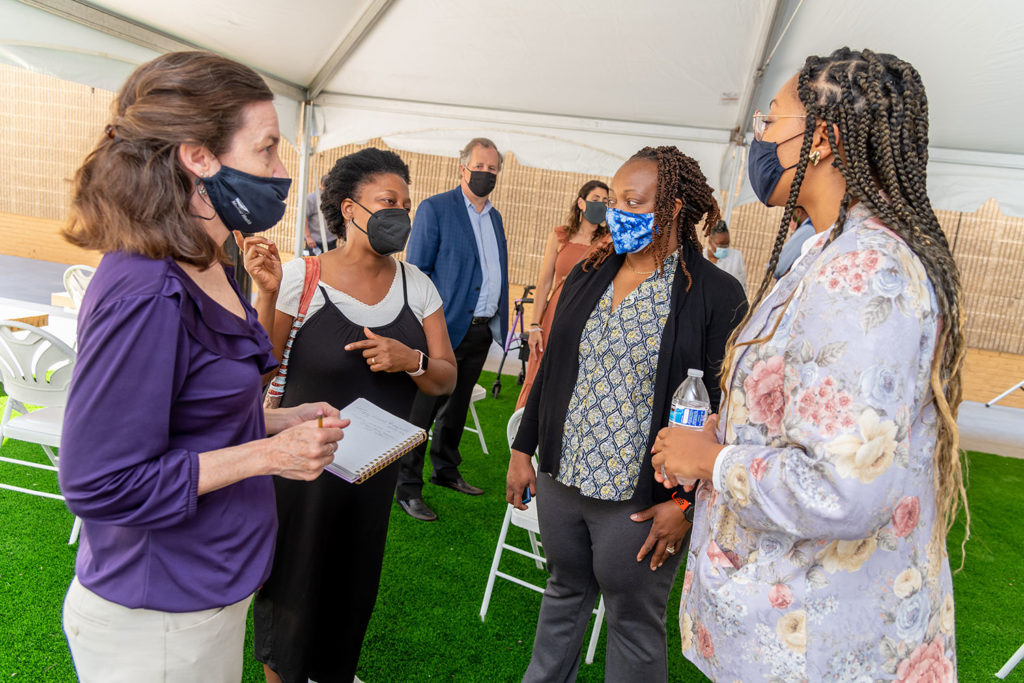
x,y
594,212
482,182
245,202
388,229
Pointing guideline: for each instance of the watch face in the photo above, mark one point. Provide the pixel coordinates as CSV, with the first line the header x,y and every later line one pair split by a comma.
x,y
424,359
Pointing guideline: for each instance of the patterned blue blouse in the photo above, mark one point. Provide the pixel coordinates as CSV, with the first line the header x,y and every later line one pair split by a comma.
x,y
609,414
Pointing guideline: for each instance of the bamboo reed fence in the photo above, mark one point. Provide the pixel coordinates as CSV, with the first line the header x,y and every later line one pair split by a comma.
x,y
49,125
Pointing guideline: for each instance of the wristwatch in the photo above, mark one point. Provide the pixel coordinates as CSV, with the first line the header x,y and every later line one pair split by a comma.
x,y
684,505
424,359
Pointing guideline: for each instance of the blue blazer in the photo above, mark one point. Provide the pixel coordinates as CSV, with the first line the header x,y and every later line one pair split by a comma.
x,y
442,245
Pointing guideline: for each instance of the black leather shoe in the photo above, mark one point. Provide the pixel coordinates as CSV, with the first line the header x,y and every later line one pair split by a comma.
x,y
417,509
459,484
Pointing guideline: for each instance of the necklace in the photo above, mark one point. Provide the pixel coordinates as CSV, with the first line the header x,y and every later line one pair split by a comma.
x,y
641,272
669,261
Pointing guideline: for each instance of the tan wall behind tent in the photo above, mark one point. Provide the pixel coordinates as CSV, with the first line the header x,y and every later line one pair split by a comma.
x,y
49,125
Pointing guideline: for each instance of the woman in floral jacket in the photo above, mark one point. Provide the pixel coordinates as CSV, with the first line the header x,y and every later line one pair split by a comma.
x,y
818,547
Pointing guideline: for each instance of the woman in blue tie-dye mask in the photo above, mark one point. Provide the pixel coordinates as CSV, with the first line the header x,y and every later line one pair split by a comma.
x,y
632,318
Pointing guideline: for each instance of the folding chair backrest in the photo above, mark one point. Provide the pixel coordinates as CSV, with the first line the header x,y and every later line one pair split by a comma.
x,y
76,279
513,428
35,366
513,425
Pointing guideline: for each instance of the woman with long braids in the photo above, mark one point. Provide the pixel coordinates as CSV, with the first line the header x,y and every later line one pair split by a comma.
x,y
568,244
818,548
627,328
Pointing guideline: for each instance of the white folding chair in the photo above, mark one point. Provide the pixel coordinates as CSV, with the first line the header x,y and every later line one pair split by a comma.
x,y
478,393
1011,663
36,369
76,279
527,519
1000,397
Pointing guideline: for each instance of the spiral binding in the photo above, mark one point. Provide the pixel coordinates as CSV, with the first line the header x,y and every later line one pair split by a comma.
x,y
389,456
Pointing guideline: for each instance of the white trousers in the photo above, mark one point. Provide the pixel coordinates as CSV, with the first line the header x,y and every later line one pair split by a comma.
x,y
114,644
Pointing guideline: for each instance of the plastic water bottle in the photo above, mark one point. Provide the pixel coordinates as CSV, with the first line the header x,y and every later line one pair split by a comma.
x,y
690,404
690,407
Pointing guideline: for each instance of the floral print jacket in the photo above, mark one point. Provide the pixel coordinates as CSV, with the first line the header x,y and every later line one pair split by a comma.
x,y
811,557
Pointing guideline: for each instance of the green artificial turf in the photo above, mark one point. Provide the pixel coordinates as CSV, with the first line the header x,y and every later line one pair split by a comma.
x,y
426,625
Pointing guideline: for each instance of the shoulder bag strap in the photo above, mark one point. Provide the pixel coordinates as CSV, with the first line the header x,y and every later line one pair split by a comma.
x,y
309,283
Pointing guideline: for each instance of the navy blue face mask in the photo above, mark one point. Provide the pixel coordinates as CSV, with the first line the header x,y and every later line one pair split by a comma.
x,y
248,203
764,168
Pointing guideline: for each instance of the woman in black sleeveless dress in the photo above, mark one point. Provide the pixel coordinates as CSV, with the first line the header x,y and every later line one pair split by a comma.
x,y
374,329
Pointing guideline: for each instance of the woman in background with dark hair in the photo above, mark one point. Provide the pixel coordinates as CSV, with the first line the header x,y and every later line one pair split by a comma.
x,y
374,329
819,542
567,245
163,453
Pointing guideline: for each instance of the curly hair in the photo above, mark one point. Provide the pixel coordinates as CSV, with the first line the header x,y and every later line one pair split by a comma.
x,y
572,222
878,104
347,178
679,177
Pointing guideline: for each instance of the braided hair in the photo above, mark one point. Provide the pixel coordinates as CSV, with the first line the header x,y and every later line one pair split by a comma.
x,y
679,177
878,104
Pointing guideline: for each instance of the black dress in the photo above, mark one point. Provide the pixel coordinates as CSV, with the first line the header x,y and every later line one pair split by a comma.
x,y
311,615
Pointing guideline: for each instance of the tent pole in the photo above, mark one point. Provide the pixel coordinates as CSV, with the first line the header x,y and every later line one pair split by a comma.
x,y
775,30
732,189
305,124
375,9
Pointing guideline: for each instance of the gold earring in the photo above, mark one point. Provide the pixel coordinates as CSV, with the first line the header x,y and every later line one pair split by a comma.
x,y
814,157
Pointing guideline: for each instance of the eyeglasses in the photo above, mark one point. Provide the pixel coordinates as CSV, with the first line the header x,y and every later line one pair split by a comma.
x,y
760,124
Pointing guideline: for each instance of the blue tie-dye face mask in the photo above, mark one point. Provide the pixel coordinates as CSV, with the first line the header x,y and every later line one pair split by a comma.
x,y
631,232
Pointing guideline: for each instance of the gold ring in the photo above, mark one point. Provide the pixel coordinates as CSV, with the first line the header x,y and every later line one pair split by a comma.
x,y
373,359
670,549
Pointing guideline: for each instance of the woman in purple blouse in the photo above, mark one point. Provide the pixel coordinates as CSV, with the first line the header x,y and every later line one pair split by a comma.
x,y
165,454
819,537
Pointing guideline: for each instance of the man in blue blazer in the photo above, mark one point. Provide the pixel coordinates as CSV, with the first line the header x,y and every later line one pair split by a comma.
x,y
459,241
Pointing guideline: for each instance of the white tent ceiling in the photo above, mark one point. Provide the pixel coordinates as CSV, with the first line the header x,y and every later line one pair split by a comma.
x,y
565,85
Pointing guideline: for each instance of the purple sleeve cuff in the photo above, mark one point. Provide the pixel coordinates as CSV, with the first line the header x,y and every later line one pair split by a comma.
x,y
193,484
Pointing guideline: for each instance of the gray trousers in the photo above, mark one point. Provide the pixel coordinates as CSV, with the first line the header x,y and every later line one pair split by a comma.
x,y
591,547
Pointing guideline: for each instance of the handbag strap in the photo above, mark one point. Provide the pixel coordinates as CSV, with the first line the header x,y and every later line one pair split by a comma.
x,y
312,276
308,285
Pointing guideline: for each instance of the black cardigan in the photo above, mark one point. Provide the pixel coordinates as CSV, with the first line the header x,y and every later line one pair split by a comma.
x,y
698,326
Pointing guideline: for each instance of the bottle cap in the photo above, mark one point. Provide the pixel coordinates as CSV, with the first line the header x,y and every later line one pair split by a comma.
x,y
693,372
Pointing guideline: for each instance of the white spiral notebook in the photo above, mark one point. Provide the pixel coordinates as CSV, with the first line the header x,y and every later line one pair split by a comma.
x,y
373,440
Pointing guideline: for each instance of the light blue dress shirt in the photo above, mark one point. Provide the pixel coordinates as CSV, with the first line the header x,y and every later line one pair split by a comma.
x,y
490,264
791,249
